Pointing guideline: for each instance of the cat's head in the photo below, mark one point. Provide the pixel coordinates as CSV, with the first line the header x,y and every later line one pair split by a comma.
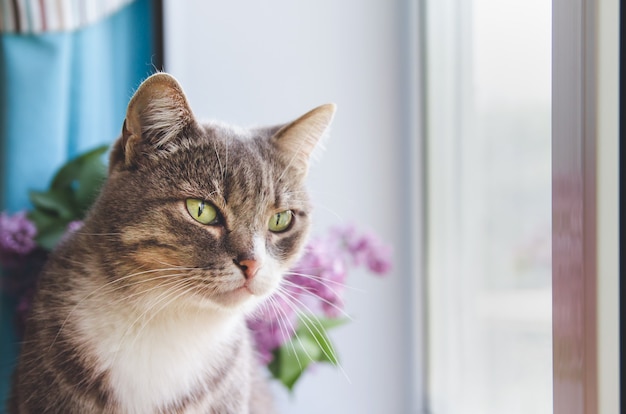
x,y
204,212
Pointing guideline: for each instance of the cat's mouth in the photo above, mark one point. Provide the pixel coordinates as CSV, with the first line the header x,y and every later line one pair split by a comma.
x,y
246,292
245,288
230,290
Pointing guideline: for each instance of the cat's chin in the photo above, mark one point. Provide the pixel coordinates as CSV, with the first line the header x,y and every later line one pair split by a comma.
x,y
241,299
236,298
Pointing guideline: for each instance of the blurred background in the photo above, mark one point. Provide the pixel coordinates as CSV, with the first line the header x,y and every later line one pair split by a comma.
x,y
441,146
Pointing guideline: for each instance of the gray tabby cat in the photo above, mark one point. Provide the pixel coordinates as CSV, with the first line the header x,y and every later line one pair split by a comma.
x,y
143,309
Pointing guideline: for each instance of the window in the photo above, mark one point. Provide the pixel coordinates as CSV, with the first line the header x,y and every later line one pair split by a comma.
x,y
489,206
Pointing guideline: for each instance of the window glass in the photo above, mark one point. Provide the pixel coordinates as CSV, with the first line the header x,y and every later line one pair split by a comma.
x,y
489,206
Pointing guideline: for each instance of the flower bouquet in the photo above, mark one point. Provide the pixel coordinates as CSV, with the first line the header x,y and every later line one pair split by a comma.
x,y
289,328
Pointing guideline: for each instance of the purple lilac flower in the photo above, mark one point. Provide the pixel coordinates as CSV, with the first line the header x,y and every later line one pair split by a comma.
x,y
74,225
380,263
321,274
267,337
17,237
366,249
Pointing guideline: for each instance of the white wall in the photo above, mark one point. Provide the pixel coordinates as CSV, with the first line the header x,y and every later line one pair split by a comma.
x,y
263,62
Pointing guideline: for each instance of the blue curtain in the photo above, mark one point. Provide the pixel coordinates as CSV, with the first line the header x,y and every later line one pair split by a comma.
x,y
61,94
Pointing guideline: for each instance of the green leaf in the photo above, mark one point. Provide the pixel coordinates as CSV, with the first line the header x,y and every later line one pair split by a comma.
x,y
50,236
310,343
56,202
42,219
314,329
53,211
89,180
72,191
292,359
71,171
328,323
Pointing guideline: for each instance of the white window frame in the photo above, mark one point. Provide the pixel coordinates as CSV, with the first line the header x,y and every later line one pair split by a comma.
x,y
414,131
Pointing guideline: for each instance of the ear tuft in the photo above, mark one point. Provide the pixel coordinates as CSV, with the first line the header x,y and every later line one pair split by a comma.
x,y
156,115
298,139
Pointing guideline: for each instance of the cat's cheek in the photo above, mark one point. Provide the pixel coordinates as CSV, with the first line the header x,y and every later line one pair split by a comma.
x,y
155,258
287,249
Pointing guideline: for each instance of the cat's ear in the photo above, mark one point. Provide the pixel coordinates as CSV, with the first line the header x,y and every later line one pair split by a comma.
x,y
157,114
297,140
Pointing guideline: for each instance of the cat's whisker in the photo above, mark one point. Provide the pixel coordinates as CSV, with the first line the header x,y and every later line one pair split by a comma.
x,y
97,290
126,298
333,213
301,304
181,288
219,161
82,233
283,319
308,323
318,297
323,281
150,289
227,160
319,205
129,276
173,266
328,284
289,297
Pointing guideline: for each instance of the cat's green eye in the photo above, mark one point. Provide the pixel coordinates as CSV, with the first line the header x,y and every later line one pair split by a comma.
x,y
202,211
281,221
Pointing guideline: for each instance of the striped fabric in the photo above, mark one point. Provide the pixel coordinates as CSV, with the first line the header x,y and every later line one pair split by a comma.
x,y
38,16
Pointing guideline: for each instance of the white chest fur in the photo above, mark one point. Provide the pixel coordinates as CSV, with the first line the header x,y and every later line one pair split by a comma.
x,y
154,361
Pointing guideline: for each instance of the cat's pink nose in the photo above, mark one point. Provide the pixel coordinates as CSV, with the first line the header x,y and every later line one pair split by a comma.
x,y
249,267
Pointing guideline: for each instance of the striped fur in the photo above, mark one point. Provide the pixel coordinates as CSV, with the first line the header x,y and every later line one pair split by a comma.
x,y
143,309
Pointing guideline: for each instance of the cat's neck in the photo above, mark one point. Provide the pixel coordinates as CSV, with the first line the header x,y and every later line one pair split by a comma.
x,y
154,359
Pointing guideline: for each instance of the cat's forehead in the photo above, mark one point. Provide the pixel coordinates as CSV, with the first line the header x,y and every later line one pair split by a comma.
x,y
252,145
246,148
238,164
223,131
